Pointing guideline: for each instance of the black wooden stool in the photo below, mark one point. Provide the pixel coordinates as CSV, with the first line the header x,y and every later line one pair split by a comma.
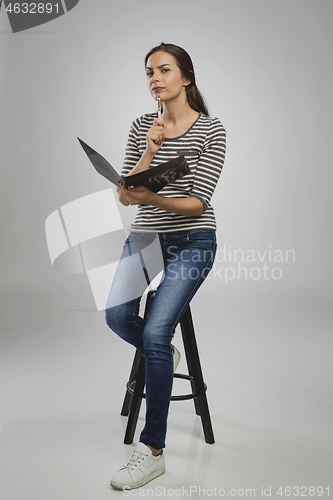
x,y
136,383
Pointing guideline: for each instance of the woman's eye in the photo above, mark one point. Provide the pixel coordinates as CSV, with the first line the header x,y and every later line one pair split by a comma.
x,y
150,73
165,70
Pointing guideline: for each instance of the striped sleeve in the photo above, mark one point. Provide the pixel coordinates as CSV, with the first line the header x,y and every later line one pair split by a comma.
x,y
210,163
132,153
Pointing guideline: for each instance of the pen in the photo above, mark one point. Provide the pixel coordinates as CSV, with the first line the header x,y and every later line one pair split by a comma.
x,y
159,113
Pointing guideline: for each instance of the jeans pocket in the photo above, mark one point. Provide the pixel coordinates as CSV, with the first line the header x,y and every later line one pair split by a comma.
x,y
202,236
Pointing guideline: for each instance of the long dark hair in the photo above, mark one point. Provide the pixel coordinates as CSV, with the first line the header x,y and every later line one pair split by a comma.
x,y
184,63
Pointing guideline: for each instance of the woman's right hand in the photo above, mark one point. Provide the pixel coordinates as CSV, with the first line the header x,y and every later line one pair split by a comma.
x,y
155,136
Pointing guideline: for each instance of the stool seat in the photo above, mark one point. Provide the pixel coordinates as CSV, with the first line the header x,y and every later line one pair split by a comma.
x,y
135,385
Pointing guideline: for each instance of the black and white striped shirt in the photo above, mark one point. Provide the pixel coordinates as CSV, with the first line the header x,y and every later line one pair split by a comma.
x,y
203,145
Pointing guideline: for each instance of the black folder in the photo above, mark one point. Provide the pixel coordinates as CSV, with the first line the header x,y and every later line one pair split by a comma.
x,y
154,178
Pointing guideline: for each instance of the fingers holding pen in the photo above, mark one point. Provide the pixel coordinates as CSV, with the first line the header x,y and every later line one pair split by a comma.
x,y
159,124
155,135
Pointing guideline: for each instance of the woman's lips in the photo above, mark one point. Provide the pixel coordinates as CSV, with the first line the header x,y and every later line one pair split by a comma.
x,y
158,89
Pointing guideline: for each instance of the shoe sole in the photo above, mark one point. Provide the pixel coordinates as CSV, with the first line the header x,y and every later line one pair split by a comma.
x,y
143,481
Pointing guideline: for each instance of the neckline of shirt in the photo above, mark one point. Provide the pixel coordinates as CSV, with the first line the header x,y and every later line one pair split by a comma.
x,y
186,132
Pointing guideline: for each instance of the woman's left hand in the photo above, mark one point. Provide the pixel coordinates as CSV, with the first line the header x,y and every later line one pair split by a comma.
x,y
139,195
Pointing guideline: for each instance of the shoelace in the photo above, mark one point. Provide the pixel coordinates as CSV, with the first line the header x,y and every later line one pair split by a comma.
x,y
135,459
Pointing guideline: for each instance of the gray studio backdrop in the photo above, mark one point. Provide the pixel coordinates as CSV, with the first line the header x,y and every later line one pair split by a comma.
x,y
265,69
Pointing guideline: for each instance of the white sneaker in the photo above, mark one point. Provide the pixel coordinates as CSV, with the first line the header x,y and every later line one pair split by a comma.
x,y
176,357
140,469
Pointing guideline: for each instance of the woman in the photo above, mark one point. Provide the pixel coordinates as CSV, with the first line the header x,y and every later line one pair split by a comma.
x,y
180,222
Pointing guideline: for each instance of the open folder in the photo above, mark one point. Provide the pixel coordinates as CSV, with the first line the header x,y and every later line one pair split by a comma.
x,y
154,178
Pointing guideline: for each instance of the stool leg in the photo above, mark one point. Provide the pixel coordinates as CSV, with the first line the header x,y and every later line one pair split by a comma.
x,y
189,353
136,402
129,396
194,367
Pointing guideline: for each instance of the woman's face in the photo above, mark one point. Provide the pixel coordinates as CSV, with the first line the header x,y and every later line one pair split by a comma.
x,y
164,77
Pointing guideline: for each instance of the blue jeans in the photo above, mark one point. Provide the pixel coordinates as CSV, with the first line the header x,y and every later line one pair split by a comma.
x,y
186,257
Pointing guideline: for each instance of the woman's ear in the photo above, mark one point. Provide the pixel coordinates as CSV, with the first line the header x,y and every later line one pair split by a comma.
x,y
187,81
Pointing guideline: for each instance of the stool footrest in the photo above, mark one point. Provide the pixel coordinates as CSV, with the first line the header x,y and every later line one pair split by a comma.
x,y
130,386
